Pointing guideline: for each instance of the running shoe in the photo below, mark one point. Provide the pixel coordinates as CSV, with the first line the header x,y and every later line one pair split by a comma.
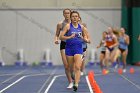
x,y
124,70
107,71
116,66
82,73
70,85
75,87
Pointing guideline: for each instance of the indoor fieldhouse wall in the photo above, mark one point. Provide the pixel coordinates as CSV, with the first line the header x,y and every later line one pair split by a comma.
x,y
33,30
131,21
62,3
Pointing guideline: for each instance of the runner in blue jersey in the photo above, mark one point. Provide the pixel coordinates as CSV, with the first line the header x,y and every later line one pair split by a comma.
x,y
123,47
73,33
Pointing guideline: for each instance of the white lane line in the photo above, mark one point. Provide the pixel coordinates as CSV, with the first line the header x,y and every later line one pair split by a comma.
x,y
33,75
90,88
13,77
53,72
49,86
137,86
46,91
7,75
12,84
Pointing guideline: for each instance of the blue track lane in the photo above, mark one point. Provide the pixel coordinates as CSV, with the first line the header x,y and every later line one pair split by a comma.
x,y
37,79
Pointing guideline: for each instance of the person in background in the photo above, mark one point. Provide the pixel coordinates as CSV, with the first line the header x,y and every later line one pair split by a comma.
x,y
123,47
111,42
59,29
103,50
84,45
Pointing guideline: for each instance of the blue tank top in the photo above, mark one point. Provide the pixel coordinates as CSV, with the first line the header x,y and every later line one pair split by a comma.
x,y
122,43
78,33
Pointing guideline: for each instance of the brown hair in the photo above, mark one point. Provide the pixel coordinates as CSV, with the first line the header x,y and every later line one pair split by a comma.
x,y
74,12
66,9
116,31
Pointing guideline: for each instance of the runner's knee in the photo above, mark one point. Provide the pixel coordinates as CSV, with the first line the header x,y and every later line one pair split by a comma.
x,y
77,68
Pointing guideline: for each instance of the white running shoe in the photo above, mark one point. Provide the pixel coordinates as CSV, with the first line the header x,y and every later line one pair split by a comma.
x,y
82,73
124,70
116,66
70,85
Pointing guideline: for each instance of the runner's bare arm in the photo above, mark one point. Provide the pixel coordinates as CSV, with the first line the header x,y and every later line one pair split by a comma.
x,y
85,34
127,40
58,28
